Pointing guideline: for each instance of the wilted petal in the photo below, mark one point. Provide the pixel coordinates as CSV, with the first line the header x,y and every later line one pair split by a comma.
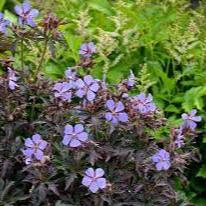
x,y
101,182
86,181
99,172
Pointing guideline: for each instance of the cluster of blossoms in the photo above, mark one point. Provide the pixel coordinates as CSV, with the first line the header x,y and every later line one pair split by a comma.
x,y
162,158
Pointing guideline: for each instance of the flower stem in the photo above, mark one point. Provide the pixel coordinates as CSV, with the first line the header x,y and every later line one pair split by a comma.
x,y
22,53
42,57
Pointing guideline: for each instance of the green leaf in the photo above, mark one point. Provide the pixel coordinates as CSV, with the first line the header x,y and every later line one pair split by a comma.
x,y
102,6
2,3
202,172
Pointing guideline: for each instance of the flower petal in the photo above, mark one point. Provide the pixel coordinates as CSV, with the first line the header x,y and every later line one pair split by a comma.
x,y
90,172
68,129
29,142
93,187
99,172
74,143
38,154
36,138
86,181
78,128
101,182
83,136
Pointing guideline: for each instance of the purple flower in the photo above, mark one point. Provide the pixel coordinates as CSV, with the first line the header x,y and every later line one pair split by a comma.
x,y
34,148
190,120
12,79
143,103
116,113
179,138
26,14
87,87
74,136
87,49
131,80
71,76
63,91
4,23
162,160
93,179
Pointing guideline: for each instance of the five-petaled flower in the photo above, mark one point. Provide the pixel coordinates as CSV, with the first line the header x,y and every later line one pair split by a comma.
x,y
12,79
26,14
4,23
93,179
34,148
143,103
161,160
87,49
87,87
74,136
190,120
63,91
116,112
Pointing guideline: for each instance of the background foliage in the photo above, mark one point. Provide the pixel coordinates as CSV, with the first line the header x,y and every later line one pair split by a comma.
x,y
164,43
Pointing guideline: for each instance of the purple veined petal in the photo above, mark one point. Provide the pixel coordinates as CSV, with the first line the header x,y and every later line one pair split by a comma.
x,y
86,181
197,118
65,86
93,187
110,104
28,152
166,165
101,182
99,172
33,13
90,172
18,10
90,95
184,116
159,166
66,140
123,117
29,143
80,83
82,136
119,107
68,129
42,145
88,80
114,120
193,112
78,128
80,93
92,47
83,49
39,154
74,143
36,138
26,7
190,124
108,116
155,158
57,87
30,22
94,87
141,96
